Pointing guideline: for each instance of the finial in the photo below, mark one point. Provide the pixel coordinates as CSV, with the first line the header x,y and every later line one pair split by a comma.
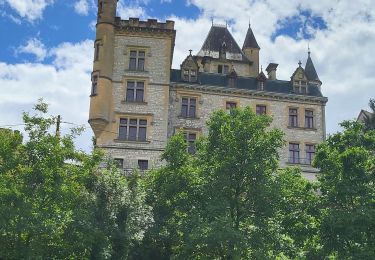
x,y
226,23
308,49
212,20
249,23
300,63
190,51
261,68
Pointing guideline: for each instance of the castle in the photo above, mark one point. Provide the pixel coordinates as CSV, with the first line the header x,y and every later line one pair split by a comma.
x,y
137,101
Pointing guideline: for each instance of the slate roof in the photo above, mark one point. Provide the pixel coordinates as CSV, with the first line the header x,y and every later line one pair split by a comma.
x,y
250,41
214,41
310,70
249,83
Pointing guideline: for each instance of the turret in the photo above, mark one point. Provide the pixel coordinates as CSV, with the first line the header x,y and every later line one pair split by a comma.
x,y
101,92
251,50
310,71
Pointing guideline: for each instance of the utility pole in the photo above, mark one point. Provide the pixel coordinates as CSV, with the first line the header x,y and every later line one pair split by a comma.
x,y
58,126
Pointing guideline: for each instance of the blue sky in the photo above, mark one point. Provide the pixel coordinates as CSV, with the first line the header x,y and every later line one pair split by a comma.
x,y
47,47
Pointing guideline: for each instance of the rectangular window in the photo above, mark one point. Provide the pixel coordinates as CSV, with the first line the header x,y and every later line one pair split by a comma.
x,y
132,129
94,85
230,105
137,60
309,119
261,110
190,138
135,91
310,153
97,52
143,165
226,69
293,117
293,153
119,163
220,69
188,107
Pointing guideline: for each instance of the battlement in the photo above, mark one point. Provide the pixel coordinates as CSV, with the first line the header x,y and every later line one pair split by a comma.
x,y
149,24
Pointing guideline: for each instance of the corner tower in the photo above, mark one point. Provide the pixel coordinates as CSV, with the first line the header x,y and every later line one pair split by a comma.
x,y
101,91
251,49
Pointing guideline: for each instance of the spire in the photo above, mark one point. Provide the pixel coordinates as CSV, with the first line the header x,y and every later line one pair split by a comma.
x,y
250,41
310,69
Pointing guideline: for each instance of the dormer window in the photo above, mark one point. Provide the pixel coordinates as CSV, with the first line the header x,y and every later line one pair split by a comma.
x,y
223,51
300,86
190,75
261,85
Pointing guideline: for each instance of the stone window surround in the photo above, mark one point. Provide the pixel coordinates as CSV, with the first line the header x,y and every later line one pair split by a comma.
x,y
199,102
149,127
145,81
230,101
186,130
301,118
94,90
129,48
303,160
98,44
261,105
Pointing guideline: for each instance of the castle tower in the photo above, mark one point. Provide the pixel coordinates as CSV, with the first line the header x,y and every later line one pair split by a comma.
x,y
251,49
101,92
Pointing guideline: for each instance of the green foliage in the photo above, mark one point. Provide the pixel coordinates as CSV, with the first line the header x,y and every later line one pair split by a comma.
x,y
57,203
347,179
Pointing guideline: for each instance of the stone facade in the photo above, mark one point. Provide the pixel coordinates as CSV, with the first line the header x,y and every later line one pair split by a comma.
x,y
138,101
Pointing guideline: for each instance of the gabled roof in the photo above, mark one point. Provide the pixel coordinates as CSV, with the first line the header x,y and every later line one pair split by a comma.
x,y
250,41
217,36
310,70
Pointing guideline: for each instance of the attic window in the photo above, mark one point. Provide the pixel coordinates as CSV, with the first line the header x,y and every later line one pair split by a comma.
x,y
300,86
190,75
261,85
223,69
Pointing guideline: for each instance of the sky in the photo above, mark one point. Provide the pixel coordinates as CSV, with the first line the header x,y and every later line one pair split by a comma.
x,y
47,48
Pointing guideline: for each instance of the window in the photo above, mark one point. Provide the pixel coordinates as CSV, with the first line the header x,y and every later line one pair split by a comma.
x,y
261,85
190,75
309,119
132,129
293,117
300,86
137,60
293,153
190,138
261,110
94,85
310,153
100,7
188,107
230,105
223,69
97,52
143,165
119,163
135,91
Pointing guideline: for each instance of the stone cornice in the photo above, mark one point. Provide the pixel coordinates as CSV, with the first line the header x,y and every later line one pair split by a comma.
x,y
250,92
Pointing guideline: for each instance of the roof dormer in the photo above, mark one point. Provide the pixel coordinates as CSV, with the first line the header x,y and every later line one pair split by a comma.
x,y
189,69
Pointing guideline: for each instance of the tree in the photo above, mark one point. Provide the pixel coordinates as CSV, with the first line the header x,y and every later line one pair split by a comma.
x,y
236,163
347,183
171,192
56,202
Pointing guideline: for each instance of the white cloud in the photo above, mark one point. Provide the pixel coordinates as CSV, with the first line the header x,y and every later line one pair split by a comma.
x,y
64,84
81,7
29,9
34,46
133,11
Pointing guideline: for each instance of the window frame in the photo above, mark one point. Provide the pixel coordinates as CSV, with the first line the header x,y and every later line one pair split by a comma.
x,y
94,84
294,153
140,167
136,90
293,117
309,119
260,112
190,141
310,153
189,106
140,125
135,59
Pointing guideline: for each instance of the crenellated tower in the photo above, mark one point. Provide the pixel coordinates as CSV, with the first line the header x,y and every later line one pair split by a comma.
x,y
101,104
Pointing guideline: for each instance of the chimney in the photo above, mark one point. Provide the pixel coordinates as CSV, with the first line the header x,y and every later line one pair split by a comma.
x,y
271,70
